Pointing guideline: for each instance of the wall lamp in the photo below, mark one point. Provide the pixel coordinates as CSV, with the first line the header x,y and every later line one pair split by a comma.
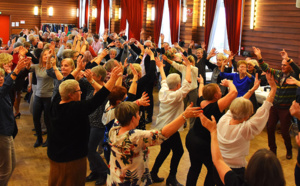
x,y
36,11
202,13
152,13
253,14
77,12
94,12
120,13
50,11
184,15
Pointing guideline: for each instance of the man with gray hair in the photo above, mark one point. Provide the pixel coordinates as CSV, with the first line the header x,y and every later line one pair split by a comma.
x,y
171,97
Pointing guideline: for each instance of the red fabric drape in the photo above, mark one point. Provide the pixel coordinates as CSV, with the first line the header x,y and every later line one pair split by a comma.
x,y
86,18
233,11
174,7
134,14
106,14
99,3
209,18
159,7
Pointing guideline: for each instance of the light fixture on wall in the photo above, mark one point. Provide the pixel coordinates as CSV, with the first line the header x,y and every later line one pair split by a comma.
x,y
184,15
202,13
94,12
253,14
153,13
77,12
50,11
120,13
36,11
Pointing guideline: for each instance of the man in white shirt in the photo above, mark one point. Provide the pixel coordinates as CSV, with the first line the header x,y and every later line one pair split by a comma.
x,y
171,96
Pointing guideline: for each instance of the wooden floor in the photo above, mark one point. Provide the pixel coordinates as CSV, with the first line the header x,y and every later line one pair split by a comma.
x,y
32,167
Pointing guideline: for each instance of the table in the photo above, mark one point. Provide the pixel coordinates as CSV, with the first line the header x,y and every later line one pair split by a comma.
x,y
261,95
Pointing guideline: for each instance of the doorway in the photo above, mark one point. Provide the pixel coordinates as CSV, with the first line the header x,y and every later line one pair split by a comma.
x,y
5,25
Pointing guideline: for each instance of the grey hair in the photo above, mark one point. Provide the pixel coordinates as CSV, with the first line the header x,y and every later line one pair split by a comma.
x,y
110,64
90,40
68,53
113,50
99,71
67,87
17,44
241,108
173,80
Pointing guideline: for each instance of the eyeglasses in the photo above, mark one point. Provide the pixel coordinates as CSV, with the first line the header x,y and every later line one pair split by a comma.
x,y
77,91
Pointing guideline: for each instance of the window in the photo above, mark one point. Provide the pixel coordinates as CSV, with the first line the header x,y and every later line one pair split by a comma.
x,y
165,24
218,36
101,29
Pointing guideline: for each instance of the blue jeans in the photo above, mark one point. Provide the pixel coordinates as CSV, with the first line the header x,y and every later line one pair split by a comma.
x,y
96,162
40,105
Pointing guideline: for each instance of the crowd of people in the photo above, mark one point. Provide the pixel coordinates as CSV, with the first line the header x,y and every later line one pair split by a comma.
x,y
94,94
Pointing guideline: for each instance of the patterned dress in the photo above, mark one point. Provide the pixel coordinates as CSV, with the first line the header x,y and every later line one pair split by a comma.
x,y
129,156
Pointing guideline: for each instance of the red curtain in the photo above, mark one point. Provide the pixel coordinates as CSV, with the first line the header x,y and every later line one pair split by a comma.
x,y
174,7
209,18
86,18
233,11
159,7
99,3
134,15
106,14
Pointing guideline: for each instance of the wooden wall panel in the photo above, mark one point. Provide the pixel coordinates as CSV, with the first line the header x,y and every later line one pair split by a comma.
x,y
277,27
20,10
64,12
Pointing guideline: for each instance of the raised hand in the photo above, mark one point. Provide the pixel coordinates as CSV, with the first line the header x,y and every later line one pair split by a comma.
x,y
257,52
144,100
210,125
22,51
256,82
225,82
80,63
104,53
191,44
228,52
203,45
111,44
7,68
295,111
292,81
164,57
116,72
159,63
284,54
176,45
271,80
52,46
200,79
134,72
191,112
185,59
88,74
162,37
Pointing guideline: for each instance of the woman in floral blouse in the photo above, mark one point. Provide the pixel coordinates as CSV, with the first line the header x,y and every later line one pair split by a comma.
x,y
129,146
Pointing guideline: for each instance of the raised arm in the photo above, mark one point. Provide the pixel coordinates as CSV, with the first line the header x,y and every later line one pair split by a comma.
x,y
188,75
226,100
160,65
201,85
254,88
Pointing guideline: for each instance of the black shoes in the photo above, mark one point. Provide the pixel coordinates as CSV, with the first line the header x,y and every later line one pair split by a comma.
x,y
38,143
156,179
45,144
289,155
17,116
172,181
92,177
101,181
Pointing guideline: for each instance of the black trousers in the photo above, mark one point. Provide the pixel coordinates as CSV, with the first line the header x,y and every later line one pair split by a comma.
x,y
173,143
199,152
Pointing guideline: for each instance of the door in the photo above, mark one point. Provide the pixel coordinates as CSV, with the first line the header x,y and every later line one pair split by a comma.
x,y
4,34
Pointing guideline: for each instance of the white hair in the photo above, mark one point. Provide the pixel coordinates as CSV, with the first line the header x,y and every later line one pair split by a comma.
x,y
173,80
241,108
67,87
